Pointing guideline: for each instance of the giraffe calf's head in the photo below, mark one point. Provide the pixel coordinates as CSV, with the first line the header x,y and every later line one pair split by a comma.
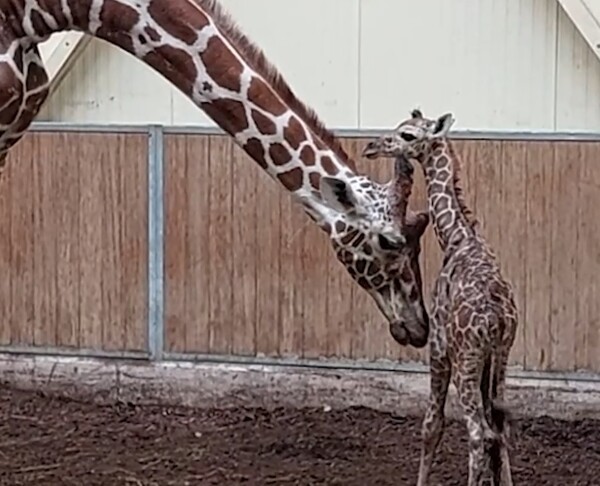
x,y
412,138
380,250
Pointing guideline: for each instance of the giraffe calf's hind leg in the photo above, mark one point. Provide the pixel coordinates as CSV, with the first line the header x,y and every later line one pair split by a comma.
x,y
467,381
501,417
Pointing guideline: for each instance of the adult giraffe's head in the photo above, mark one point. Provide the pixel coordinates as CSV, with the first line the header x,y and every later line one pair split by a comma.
x,y
378,241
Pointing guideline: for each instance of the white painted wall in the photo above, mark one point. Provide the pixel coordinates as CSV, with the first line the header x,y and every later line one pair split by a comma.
x,y
509,65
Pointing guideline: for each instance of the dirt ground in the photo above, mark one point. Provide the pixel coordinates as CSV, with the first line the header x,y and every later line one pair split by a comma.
x,y
61,441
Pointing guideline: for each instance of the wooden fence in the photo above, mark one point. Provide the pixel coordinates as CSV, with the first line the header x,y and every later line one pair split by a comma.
x,y
245,271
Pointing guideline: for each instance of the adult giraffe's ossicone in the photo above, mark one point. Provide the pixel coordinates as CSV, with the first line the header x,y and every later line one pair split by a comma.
x,y
196,46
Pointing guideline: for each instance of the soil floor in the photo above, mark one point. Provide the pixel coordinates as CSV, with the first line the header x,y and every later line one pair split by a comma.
x,y
47,440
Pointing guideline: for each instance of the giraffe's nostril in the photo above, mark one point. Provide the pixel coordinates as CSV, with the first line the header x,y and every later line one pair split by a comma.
x,y
419,340
399,333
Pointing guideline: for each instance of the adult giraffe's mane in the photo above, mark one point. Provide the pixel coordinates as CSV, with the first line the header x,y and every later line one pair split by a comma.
x,y
257,60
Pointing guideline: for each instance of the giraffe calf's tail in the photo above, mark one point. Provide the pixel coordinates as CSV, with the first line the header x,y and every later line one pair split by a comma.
x,y
498,419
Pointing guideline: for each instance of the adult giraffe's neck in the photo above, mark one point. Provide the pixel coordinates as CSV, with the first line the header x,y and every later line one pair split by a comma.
x,y
452,219
195,45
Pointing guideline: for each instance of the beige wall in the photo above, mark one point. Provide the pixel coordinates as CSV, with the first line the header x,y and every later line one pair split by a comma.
x,y
511,65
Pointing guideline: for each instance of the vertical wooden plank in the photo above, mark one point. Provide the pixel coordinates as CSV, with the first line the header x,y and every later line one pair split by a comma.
x,y
5,261
21,255
66,210
45,252
247,256
220,265
587,329
268,270
563,238
291,333
489,194
112,329
469,152
177,187
133,249
338,343
91,251
513,224
313,256
539,163
198,241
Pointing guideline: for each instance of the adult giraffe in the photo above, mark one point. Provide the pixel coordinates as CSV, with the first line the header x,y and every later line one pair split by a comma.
x,y
196,46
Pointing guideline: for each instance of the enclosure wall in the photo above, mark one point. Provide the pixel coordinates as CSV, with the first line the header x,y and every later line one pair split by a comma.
x,y
245,271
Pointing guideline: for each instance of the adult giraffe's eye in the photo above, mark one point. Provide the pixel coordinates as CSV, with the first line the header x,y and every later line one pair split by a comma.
x,y
408,137
386,244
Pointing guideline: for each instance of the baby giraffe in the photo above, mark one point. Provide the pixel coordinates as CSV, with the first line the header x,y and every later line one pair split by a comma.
x,y
473,317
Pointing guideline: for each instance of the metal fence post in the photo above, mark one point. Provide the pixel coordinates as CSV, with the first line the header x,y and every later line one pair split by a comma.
x,y
156,242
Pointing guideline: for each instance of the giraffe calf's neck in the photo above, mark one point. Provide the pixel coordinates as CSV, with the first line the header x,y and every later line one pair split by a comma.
x,y
452,220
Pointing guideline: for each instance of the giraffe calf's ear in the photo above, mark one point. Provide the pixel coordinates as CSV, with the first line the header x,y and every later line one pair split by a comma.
x,y
442,125
338,195
416,113
416,223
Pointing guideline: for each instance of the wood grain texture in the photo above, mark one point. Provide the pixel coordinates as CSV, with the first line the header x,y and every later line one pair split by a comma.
x,y
187,252
512,248
246,270
586,332
247,227
539,168
316,310
220,246
74,247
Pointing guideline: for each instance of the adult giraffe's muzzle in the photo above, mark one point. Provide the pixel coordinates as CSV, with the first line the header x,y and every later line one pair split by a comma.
x,y
410,330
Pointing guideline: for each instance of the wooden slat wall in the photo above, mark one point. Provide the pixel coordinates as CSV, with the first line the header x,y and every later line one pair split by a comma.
x,y
73,244
247,273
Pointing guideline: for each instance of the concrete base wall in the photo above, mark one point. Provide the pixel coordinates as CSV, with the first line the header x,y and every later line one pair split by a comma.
x,y
228,385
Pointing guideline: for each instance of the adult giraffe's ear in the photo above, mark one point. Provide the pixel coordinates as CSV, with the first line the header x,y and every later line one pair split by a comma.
x,y
416,223
339,195
442,125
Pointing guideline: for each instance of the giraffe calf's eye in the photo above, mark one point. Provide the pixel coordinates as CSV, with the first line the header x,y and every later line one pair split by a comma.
x,y
386,244
408,137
